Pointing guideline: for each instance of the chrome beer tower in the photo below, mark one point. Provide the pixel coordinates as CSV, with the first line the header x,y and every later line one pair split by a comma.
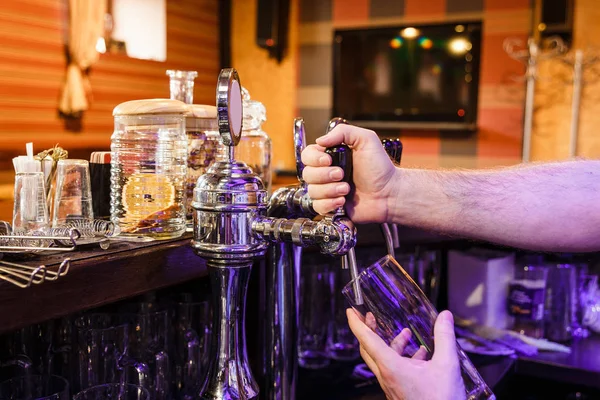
x,y
231,230
280,356
281,286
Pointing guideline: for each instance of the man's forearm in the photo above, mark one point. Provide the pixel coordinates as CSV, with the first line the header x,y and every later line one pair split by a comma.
x,y
547,207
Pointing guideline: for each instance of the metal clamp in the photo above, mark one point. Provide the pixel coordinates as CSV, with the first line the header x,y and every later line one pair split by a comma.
x,y
24,276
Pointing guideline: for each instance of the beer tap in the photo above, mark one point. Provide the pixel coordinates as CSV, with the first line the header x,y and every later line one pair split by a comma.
x,y
280,289
293,200
231,230
282,279
226,199
341,156
393,148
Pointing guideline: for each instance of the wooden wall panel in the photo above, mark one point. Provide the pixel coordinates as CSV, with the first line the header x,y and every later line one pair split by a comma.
x,y
498,140
550,139
32,69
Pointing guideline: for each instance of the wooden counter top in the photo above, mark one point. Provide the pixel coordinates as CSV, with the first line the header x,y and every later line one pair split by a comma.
x,y
97,277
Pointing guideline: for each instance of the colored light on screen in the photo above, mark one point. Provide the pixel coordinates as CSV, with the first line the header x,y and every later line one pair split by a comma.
x,y
396,43
425,43
270,42
461,113
409,33
459,45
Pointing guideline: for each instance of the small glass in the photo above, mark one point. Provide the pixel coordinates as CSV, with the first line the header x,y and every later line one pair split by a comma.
x,y
113,391
105,346
181,85
342,345
315,315
192,340
526,299
73,192
152,340
35,387
30,212
396,302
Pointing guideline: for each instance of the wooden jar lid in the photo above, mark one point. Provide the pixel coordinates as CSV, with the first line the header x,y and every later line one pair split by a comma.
x,y
201,117
150,106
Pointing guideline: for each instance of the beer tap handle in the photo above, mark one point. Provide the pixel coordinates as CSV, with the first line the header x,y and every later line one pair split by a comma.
x,y
299,146
341,156
229,109
393,148
397,151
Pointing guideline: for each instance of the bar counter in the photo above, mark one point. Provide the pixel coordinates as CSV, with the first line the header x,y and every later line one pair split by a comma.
x,y
579,369
98,277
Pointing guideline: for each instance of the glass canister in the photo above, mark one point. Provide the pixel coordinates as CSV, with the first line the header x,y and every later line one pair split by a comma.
x,y
203,143
148,168
255,145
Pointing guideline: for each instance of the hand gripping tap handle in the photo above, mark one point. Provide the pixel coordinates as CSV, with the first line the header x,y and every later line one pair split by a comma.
x,y
341,156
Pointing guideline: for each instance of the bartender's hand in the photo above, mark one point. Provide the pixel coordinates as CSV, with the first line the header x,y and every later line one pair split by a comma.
x,y
374,175
403,378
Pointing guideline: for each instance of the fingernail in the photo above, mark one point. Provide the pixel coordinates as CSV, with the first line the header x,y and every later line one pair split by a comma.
x,y
447,318
336,174
341,189
324,161
338,202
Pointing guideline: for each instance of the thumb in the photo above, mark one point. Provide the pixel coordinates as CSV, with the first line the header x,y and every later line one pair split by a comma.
x,y
351,135
444,339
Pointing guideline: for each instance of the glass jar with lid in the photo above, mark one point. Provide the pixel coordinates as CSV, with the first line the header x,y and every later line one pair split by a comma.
x,y
203,144
254,147
148,168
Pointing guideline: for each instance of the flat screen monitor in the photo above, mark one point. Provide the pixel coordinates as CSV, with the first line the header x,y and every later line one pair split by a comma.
x,y
422,77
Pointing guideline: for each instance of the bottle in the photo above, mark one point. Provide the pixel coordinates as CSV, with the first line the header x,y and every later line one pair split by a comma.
x,y
255,145
527,297
148,168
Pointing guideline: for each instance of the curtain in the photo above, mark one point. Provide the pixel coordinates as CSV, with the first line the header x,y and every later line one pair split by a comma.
x,y
86,26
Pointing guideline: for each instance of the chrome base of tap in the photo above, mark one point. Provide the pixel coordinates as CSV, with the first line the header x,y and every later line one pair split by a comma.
x,y
230,259
229,376
280,369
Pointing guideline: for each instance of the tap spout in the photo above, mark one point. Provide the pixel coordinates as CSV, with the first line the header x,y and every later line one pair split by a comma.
x,y
334,235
